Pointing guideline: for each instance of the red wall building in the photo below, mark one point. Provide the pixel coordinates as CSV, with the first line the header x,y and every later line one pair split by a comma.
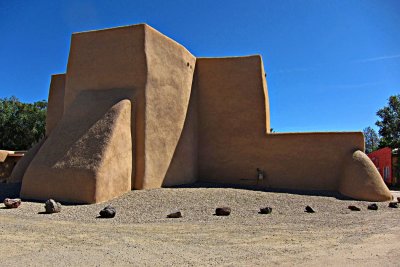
x,y
384,161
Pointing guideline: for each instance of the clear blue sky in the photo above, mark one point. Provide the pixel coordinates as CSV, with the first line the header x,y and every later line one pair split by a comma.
x,y
331,64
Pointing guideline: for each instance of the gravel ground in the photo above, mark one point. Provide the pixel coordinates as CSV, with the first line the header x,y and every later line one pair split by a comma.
x,y
140,234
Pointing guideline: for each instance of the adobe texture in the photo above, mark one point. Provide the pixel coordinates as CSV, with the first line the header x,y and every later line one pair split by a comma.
x,y
8,159
55,108
92,163
136,110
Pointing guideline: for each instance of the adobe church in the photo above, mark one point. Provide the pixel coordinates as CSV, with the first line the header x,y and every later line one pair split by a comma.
x,y
136,110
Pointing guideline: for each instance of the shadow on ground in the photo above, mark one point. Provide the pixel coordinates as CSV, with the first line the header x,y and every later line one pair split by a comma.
x,y
13,190
334,194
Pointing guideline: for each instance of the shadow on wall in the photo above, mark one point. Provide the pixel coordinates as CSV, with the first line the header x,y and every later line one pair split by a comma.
x,y
90,106
9,191
91,143
183,168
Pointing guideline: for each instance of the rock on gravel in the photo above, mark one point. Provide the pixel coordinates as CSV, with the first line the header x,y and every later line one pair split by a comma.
x,y
354,208
108,212
224,211
12,203
266,210
393,205
51,206
152,206
373,207
309,209
176,214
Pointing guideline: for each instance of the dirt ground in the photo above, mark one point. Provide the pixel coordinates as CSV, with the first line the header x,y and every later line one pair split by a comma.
x,y
141,235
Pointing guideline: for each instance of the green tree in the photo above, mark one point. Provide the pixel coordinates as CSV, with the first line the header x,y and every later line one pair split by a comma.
x,y
371,140
389,127
21,124
389,123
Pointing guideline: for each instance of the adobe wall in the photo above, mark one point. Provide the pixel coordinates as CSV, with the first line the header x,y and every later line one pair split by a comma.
x,y
361,180
170,69
106,59
184,165
134,58
55,108
134,63
87,157
112,59
233,139
3,155
55,111
232,116
8,160
19,170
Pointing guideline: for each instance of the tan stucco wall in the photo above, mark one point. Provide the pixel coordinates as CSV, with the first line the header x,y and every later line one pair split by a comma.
x,y
3,155
156,73
106,59
231,116
184,165
92,163
293,160
170,70
112,59
361,180
8,160
23,164
55,107
136,63
233,140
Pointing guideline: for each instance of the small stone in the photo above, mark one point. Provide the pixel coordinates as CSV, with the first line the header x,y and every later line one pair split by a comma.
x,y
393,205
108,212
309,209
51,206
176,214
266,210
224,211
354,208
373,207
12,203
